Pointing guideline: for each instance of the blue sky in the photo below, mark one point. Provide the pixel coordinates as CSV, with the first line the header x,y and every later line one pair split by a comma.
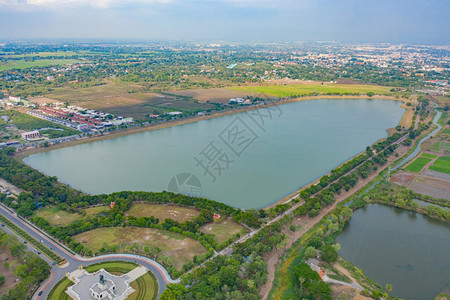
x,y
394,21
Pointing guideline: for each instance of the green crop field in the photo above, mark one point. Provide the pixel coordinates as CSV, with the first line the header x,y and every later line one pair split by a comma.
x,y
442,164
428,155
446,131
418,164
24,64
311,89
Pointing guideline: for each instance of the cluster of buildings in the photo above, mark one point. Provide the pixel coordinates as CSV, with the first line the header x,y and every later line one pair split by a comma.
x,y
11,102
240,101
78,118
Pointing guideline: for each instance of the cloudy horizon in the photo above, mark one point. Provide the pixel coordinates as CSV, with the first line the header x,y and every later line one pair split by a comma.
x,y
412,22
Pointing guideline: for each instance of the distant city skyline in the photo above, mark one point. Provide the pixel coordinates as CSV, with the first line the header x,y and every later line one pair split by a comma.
x,y
402,21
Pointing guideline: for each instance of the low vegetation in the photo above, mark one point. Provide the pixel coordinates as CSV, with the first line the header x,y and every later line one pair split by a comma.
x,y
59,217
401,197
171,249
224,231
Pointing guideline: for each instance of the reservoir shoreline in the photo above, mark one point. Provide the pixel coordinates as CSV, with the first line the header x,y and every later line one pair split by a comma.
x,y
152,127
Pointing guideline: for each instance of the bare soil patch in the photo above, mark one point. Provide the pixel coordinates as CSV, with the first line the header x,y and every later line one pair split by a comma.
x,y
162,212
42,100
433,187
402,178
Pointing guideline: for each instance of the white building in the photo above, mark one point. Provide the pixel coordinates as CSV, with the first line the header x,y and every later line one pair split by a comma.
x,y
102,284
31,135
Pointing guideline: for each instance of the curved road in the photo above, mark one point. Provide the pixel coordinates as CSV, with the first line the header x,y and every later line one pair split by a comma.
x,y
75,260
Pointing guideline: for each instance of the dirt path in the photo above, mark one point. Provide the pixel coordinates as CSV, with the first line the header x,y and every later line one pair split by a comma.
x,y
307,223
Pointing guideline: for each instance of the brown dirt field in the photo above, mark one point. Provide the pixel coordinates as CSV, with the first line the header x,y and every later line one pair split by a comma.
x,y
41,100
342,292
10,278
107,102
307,223
402,178
162,212
433,187
179,248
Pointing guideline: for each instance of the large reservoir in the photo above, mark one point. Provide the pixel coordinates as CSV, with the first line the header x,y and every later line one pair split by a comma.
x,y
247,160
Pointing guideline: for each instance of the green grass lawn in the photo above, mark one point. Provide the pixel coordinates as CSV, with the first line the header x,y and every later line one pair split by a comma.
x,y
179,248
446,147
24,64
418,164
146,286
121,267
436,147
428,155
58,217
309,89
58,292
446,131
442,164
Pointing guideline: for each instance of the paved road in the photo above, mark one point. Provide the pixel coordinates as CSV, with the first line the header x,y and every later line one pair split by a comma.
x,y
74,260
